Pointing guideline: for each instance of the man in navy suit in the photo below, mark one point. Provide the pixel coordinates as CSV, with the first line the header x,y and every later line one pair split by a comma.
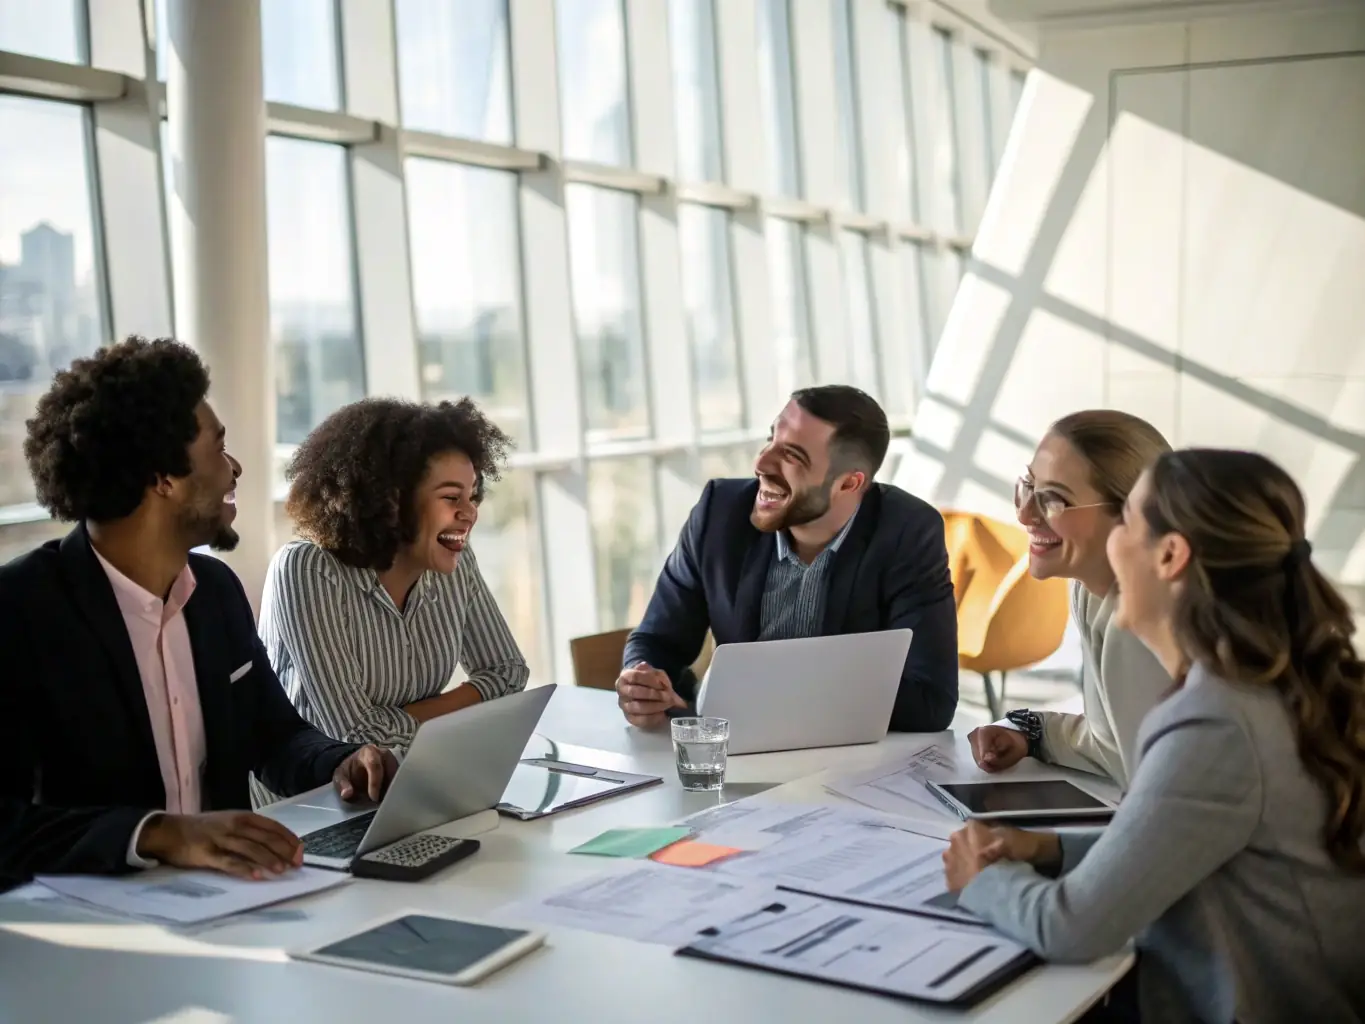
x,y
136,693
811,547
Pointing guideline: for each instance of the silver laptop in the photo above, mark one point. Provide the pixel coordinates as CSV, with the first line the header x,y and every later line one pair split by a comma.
x,y
458,764
820,691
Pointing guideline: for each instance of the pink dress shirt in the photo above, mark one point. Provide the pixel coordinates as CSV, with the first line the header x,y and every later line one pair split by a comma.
x,y
165,661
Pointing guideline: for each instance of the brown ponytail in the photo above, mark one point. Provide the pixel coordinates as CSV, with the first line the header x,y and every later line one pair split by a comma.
x,y
1255,609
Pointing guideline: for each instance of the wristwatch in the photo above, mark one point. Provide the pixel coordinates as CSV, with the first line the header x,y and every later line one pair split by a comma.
x,y
1030,723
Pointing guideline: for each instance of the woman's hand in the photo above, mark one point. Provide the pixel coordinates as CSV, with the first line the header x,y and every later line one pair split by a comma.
x,y
996,748
979,845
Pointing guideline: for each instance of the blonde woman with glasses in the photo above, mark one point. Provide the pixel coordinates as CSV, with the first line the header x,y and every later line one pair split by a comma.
x,y
1069,499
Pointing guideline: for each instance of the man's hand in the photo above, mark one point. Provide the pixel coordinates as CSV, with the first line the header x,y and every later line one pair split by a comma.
x,y
997,748
645,696
235,842
365,774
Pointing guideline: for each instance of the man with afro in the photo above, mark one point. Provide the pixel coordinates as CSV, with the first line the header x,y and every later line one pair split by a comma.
x,y
137,693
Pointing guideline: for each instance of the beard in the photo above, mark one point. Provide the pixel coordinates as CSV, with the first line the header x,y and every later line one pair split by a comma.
x,y
804,507
202,523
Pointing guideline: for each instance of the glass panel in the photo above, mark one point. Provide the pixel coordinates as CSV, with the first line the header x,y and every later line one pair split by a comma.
x,y
777,95
944,271
625,528
737,461
861,350
300,52
946,184
845,91
52,29
20,538
696,83
319,363
453,73
50,277
983,77
791,311
916,313
592,80
506,541
703,233
604,265
466,288
901,107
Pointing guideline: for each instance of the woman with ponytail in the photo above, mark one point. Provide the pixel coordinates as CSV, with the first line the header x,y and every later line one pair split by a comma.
x,y
1237,857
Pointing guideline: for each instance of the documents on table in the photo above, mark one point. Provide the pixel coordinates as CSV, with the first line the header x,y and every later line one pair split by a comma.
x,y
865,948
870,865
542,786
172,896
898,787
754,824
652,903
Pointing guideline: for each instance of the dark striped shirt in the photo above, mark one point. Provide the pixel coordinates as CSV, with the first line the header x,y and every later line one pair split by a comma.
x,y
794,593
349,659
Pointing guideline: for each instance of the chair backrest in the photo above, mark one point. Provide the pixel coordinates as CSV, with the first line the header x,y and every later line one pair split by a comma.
x,y
981,553
597,658
1025,623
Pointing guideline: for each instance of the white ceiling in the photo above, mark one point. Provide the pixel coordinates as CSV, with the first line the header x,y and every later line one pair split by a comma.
x,y
1119,11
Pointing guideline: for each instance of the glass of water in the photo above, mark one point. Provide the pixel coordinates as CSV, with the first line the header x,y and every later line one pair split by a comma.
x,y
701,746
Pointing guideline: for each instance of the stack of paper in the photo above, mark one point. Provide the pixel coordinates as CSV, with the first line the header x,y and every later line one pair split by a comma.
x,y
898,787
166,895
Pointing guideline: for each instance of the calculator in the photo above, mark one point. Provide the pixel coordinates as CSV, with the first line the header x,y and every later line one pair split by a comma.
x,y
413,858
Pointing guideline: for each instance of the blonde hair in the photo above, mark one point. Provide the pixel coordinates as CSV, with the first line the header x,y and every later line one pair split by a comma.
x,y
1253,608
1117,446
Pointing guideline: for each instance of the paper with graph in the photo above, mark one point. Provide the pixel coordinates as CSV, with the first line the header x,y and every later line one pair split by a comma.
x,y
170,896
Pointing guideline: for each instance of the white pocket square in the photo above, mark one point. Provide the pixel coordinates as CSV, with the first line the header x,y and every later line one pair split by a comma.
x,y
239,673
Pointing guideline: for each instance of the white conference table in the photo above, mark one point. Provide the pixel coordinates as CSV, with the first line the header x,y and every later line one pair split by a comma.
x,y
59,964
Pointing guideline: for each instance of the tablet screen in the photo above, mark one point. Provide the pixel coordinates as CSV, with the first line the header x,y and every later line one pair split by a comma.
x,y
417,942
1045,796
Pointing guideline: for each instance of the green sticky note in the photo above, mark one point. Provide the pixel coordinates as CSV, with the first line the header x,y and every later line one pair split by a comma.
x,y
632,842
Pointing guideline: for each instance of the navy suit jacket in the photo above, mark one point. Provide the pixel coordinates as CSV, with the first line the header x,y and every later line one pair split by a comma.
x,y
890,572
80,768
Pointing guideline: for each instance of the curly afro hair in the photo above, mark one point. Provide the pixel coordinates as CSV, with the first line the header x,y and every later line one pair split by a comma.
x,y
354,478
111,424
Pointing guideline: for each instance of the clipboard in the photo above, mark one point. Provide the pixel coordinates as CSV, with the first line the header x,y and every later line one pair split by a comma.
x,y
541,786
961,982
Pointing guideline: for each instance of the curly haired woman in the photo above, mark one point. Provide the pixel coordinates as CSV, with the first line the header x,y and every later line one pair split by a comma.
x,y
366,618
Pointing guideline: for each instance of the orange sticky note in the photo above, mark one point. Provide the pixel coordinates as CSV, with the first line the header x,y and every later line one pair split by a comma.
x,y
689,854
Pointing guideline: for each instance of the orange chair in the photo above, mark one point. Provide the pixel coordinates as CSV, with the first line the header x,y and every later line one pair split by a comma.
x,y
1006,620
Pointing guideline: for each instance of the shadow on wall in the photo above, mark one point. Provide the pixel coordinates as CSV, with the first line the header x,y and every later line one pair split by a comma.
x,y
1180,237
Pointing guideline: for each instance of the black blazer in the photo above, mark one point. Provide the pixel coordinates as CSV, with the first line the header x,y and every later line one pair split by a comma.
x,y
80,768
890,572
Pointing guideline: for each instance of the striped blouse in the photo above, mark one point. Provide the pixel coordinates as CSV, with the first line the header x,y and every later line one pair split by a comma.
x,y
349,659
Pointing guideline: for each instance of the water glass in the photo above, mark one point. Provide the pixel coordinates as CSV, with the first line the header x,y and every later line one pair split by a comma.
x,y
701,746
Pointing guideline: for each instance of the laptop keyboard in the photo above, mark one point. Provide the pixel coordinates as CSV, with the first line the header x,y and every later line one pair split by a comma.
x,y
339,840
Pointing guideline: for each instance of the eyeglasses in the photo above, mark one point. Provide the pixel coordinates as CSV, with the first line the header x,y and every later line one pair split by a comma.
x,y
1050,504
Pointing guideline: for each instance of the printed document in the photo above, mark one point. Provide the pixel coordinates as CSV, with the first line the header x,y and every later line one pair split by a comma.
x,y
755,823
899,787
653,903
874,866
878,950
171,896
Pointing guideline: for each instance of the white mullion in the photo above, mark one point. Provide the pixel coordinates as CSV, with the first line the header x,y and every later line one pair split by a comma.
x,y
383,259
893,327
812,31
131,218
555,388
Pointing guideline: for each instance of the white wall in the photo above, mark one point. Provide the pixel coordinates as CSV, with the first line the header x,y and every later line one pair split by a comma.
x,y
1177,229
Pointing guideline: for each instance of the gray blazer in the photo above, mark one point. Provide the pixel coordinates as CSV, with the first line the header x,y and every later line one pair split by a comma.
x,y
1215,862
